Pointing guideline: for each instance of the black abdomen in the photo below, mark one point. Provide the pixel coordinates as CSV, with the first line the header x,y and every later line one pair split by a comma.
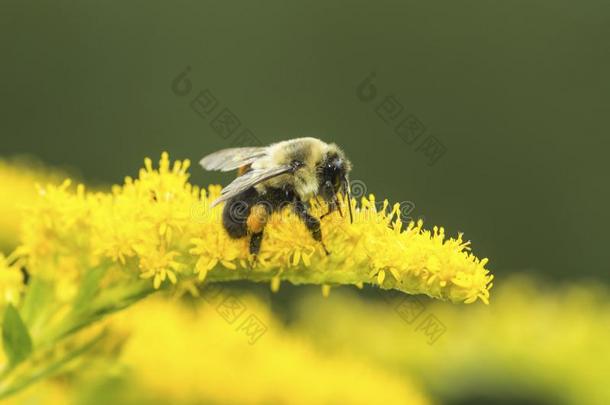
x,y
237,209
235,213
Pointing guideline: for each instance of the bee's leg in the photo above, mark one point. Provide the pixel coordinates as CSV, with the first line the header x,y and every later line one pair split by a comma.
x,y
257,219
331,208
333,204
255,243
312,223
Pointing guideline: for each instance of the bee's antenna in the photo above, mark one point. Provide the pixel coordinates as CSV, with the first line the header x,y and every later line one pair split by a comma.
x,y
349,199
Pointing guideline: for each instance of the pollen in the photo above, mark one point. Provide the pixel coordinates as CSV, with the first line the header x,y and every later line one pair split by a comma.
x,y
257,219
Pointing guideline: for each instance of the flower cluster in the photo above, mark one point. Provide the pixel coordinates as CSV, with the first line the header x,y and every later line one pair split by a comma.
x,y
17,188
161,227
264,371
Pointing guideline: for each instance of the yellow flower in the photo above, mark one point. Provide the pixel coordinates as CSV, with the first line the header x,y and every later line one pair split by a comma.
x,y
183,353
52,226
159,265
537,341
18,188
223,252
164,227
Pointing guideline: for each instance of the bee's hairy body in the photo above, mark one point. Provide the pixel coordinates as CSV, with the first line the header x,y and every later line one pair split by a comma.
x,y
247,213
287,173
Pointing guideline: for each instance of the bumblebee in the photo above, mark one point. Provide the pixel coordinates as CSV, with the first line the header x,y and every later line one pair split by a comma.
x,y
287,173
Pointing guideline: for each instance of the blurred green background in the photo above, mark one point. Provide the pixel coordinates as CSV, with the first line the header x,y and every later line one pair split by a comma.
x,y
518,93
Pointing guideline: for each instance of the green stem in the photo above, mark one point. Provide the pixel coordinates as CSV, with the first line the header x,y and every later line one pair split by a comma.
x,y
110,301
47,371
294,276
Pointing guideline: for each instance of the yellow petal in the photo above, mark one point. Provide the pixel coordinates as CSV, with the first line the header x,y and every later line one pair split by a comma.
x,y
275,284
381,277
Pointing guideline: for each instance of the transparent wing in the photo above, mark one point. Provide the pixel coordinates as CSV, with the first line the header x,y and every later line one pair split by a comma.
x,y
250,179
230,159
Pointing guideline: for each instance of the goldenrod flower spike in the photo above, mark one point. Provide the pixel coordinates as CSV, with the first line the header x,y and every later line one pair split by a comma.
x,y
163,228
16,188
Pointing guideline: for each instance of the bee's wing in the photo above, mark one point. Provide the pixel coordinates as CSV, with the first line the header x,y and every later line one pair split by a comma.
x,y
250,179
230,159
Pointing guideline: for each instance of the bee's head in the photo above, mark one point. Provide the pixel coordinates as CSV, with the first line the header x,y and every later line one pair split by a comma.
x,y
333,174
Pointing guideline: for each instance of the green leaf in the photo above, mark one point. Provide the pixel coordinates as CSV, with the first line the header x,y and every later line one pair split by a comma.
x,y
88,288
38,300
15,337
50,369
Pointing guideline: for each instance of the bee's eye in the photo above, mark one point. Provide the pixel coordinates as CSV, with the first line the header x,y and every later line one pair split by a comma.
x,y
332,174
